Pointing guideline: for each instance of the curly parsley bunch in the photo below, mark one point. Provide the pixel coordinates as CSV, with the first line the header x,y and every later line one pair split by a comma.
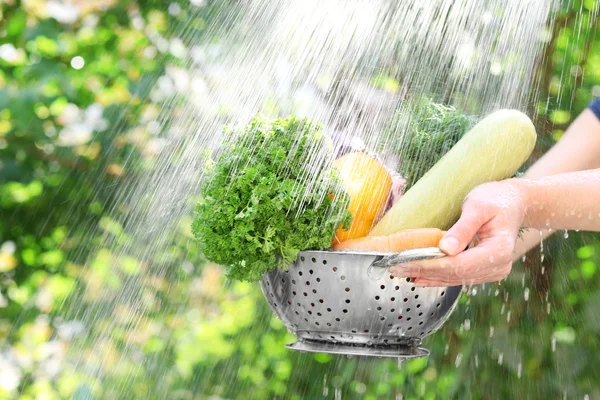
x,y
268,196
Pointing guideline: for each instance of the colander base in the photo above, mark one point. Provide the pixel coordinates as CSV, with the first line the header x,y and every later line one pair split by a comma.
x,y
389,351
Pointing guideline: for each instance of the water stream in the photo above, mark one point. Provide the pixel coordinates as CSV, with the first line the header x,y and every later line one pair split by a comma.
x,y
350,64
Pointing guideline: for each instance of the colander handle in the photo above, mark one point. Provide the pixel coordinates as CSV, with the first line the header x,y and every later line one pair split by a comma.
x,y
406,256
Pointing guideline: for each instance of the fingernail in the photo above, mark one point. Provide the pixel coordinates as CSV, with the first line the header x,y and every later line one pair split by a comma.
x,y
449,245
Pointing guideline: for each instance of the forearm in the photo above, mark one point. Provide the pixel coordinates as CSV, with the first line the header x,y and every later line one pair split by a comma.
x,y
583,139
564,201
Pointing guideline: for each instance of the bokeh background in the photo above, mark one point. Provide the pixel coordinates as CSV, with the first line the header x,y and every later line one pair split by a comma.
x,y
82,86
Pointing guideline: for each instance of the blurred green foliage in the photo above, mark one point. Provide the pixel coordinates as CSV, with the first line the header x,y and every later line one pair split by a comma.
x,y
75,87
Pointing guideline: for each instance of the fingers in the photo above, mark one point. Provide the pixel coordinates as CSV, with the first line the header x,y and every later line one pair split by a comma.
x,y
461,234
471,267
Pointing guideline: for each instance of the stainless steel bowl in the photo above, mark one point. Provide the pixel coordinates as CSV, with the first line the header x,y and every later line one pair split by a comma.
x,y
348,303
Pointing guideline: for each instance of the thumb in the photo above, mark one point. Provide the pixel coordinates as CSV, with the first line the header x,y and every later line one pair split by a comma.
x,y
461,234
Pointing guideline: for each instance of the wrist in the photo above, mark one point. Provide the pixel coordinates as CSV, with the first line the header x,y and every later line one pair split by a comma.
x,y
523,191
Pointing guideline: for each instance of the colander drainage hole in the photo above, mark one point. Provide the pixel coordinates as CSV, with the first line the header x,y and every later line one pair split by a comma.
x,y
408,310
312,304
420,314
328,309
343,277
298,304
347,301
406,299
353,331
307,283
321,301
391,276
310,271
345,311
316,323
377,297
319,314
399,316
392,310
282,280
397,287
408,319
378,308
300,273
315,291
419,305
347,289
324,262
306,319
333,337
309,312
412,289
318,279
416,296
382,318
293,281
407,279
297,313
421,323
289,302
329,324
268,283
382,287
431,315
366,331
305,294
443,293
390,325
294,292
301,258
393,299
385,340
314,260
438,304
410,328
334,269
337,319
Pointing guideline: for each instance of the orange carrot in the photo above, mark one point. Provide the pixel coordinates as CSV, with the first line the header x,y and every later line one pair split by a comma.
x,y
394,243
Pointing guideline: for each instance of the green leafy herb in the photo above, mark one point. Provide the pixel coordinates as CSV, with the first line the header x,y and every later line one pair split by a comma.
x,y
266,197
432,131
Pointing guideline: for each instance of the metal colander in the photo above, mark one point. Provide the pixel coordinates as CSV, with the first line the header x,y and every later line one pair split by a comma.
x,y
348,303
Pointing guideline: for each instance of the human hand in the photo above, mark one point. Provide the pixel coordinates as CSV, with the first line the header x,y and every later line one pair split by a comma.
x,y
494,212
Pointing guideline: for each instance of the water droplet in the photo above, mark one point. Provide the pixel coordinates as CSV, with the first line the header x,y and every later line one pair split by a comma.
x,y
491,331
553,345
474,292
548,222
519,370
566,235
508,316
524,258
526,294
476,361
500,358
467,324
458,360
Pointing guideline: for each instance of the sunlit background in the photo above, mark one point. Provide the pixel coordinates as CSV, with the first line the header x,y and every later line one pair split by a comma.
x,y
107,109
